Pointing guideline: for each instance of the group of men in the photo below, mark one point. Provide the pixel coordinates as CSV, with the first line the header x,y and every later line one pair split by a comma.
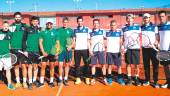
x,y
29,43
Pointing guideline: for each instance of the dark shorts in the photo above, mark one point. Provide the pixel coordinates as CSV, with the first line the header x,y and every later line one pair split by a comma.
x,y
132,56
21,59
50,58
65,56
113,58
98,56
33,58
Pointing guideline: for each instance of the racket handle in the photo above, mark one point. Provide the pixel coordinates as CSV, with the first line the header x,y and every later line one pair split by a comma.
x,y
40,57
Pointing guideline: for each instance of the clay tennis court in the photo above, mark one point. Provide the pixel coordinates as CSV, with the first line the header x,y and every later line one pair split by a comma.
x,y
88,90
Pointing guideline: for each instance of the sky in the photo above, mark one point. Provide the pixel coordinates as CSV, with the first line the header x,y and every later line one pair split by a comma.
x,y
70,5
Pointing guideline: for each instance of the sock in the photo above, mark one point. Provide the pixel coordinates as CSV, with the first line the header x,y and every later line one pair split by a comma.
x,y
137,76
34,79
51,79
30,81
65,78
24,80
129,78
60,77
42,79
17,79
104,76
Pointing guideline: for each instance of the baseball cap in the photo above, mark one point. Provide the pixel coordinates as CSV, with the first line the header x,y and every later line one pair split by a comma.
x,y
146,15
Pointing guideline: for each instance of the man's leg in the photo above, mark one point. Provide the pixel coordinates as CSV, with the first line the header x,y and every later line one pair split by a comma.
x,y
8,76
155,64
43,67
146,61
30,76
77,58
51,83
24,74
86,67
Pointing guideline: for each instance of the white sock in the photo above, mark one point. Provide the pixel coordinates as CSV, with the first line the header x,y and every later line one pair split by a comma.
x,y
17,79
30,81
51,79
137,75
129,75
65,78
34,79
24,80
60,77
42,79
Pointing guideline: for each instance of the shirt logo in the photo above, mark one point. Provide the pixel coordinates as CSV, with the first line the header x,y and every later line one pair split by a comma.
x,y
2,36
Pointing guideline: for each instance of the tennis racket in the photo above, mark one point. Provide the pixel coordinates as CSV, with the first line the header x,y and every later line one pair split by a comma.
x,y
146,42
98,47
12,57
163,55
39,56
56,50
68,44
132,40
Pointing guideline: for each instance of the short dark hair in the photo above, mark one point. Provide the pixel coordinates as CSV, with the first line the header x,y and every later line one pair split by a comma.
x,y
34,18
96,20
162,11
65,18
17,13
6,22
79,17
113,21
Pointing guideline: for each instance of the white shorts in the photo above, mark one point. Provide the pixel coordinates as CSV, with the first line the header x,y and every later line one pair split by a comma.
x,y
5,63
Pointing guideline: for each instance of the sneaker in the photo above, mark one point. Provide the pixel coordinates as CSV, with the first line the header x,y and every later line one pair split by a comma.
x,y
105,81
78,81
137,82
59,82
11,87
51,85
25,85
109,80
147,83
156,85
93,81
87,81
17,85
164,85
30,86
129,82
41,85
36,83
121,81
66,82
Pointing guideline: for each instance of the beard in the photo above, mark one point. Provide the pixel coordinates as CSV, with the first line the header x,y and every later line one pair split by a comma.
x,y
17,21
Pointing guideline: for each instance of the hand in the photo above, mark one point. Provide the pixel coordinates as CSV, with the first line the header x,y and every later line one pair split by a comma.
x,y
68,48
91,53
25,53
44,54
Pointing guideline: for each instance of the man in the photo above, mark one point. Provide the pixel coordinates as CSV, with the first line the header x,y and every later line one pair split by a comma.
x,y
5,62
17,29
132,56
80,39
66,54
164,40
47,41
30,46
113,55
150,30
97,52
